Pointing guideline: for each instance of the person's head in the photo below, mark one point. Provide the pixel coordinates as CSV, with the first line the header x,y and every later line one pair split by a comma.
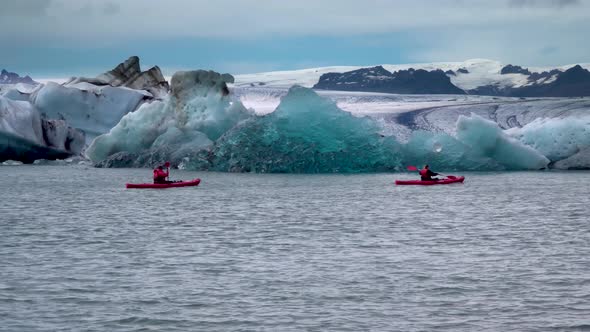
x,y
425,166
160,167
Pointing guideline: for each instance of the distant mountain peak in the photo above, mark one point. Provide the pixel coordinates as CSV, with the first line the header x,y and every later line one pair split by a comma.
x,y
7,77
378,79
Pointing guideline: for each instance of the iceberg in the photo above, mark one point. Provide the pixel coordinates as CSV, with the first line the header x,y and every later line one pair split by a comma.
x,y
564,141
47,121
92,109
25,135
486,139
197,112
305,134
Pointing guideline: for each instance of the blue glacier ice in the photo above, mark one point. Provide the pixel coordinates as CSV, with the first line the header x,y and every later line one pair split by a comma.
x,y
305,134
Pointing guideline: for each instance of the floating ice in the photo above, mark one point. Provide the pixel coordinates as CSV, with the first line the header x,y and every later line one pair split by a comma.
x,y
306,133
197,112
93,109
555,138
486,139
26,136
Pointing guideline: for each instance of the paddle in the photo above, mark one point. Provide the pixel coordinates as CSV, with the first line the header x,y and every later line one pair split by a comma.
x,y
167,165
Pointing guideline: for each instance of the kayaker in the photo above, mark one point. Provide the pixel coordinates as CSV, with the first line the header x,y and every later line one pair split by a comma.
x,y
426,174
160,175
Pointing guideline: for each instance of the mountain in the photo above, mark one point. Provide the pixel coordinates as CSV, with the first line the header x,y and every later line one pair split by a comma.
x,y
7,77
476,77
378,79
573,82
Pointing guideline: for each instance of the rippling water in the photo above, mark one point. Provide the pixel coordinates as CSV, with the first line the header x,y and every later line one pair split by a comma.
x,y
243,252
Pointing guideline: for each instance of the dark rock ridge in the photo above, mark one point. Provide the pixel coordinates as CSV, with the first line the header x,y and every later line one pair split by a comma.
x,y
533,76
128,74
7,77
378,79
510,69
574,82
544,75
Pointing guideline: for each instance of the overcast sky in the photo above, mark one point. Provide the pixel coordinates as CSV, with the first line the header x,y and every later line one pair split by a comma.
x,y
54,38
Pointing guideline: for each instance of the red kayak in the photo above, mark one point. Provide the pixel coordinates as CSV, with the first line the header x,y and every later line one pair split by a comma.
x,y
189,183
450,179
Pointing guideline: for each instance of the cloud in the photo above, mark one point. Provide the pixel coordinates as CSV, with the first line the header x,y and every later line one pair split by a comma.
x,y
111,8
544,3
87,20
512,45
230,32
24,8
549,50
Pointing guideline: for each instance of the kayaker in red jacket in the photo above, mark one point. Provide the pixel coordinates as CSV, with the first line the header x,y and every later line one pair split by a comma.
x,y
160,175
426,174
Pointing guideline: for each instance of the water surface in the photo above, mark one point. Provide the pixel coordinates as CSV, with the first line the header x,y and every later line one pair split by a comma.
x,y
247,252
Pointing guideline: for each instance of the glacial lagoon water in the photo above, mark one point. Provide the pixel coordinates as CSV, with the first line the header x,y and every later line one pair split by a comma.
x,y
262,252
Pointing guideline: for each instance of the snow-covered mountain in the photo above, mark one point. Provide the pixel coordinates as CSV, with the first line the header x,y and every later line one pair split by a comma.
x,y
377,79
476,76
7,77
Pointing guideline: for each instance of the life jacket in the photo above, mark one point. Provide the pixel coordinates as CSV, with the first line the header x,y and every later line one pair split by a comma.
x,y
159,175
424,175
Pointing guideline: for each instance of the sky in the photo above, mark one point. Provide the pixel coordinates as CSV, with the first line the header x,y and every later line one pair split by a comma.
x,y
62,38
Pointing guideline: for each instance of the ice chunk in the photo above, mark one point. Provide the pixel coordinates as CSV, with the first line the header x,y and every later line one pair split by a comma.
x,y
307,133
94,110
487,139
580,160
197,112
555,138
26,136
